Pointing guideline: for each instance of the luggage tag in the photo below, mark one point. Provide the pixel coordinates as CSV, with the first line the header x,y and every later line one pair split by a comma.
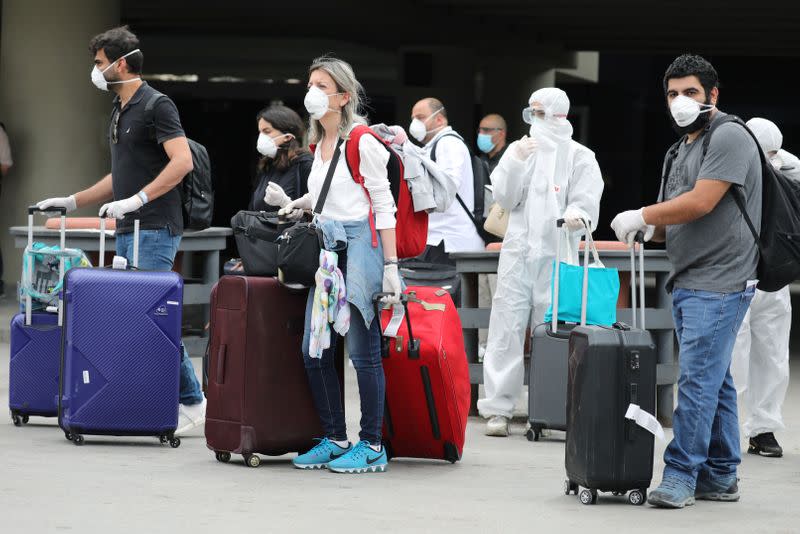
x,y
645,420
398,314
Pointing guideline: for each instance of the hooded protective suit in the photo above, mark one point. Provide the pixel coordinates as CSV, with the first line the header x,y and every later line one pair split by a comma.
x,y
760,365
560,174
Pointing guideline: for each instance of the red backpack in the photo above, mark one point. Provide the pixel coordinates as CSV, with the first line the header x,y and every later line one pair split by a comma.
x,y
412,226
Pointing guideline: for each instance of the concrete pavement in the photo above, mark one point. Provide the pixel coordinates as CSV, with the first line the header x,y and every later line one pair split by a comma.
x,y
502,485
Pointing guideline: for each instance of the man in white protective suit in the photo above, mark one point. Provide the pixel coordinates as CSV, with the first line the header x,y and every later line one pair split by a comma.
x,y
760,365
540,178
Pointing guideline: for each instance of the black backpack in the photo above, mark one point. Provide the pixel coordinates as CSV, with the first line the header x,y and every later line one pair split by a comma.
x,y
197,189
480,179
779,242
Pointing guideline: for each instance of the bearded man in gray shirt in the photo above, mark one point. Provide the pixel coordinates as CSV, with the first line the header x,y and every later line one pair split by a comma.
x,y
714,259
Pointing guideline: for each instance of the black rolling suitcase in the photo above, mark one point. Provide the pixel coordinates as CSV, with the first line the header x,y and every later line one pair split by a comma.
x,y
611,369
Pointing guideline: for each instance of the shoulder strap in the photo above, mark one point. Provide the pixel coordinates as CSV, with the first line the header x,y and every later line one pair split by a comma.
x,y
477,225
151,102
671,155
352,154
326,186
736,191
298,180
713,125
448,134
148,112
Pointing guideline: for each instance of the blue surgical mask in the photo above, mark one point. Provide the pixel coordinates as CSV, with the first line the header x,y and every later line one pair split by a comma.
x,y
485,143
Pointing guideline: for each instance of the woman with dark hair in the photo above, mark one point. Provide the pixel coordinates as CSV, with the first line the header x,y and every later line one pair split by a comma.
x,y
285,164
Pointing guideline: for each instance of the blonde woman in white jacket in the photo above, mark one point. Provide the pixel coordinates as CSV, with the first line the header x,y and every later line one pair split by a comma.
x,y
333,102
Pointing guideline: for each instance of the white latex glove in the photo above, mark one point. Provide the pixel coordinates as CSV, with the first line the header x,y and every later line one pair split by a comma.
x,y
276,196
58,202
573,219
628,223
118,208
294,209
391,284
524,148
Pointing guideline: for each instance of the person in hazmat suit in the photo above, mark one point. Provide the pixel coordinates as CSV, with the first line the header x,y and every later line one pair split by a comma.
x,y
760,364
540,178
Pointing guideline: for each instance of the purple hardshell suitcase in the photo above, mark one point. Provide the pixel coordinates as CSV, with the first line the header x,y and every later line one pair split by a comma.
x,y
35,350
121,355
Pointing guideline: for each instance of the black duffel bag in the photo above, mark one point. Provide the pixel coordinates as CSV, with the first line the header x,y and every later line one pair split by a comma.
x,y
300,245
418,273
256,234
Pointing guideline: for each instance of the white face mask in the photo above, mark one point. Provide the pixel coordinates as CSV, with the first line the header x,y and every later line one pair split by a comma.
x,y
100,81
685,110
418,130
266,145
316,102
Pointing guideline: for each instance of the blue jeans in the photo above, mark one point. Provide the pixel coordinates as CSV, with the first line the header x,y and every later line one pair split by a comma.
x,y
364,347
157,249
705,423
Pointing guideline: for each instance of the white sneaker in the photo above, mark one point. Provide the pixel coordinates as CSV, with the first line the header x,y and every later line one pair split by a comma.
x,y
190,416
497,426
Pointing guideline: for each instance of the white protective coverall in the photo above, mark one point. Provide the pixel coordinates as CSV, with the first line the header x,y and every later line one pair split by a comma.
x,y
561,173
760,364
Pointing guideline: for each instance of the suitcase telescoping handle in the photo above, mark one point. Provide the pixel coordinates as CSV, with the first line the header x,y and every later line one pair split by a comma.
x,y
413,343
62,240
634,308
102,257
557,279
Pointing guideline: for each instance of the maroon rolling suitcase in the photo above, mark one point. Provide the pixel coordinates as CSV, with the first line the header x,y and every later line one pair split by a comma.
x,y
259,400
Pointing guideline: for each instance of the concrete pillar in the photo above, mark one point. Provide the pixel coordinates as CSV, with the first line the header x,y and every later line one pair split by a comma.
x,y
56,119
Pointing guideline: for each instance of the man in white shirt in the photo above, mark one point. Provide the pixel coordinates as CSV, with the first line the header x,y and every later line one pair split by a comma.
x,y
453,230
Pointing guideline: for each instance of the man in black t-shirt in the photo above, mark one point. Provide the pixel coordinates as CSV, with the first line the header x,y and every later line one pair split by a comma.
x,y
149,158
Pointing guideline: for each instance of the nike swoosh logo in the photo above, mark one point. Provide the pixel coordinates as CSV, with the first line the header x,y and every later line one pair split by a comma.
x,y
335,456
372,461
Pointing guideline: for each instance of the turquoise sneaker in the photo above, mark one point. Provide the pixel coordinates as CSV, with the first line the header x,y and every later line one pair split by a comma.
x,y
321,455
361,459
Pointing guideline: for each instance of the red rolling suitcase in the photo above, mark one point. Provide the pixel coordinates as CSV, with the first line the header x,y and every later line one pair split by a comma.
x,y
259,400
427,378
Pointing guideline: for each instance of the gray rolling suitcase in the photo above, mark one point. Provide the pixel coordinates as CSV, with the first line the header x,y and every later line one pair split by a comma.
x,y
547,396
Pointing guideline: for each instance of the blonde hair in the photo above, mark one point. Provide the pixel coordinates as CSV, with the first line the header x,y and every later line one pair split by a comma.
x,y
346,82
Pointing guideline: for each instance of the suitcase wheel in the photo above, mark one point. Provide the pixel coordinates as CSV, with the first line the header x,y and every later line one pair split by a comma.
x,y
18,419
570,487
637,497
163,439
534,432
175,442
77,439
587,496
252,460
222,456
68,435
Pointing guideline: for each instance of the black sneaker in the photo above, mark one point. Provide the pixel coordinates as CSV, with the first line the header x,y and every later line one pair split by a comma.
x,y
765,445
